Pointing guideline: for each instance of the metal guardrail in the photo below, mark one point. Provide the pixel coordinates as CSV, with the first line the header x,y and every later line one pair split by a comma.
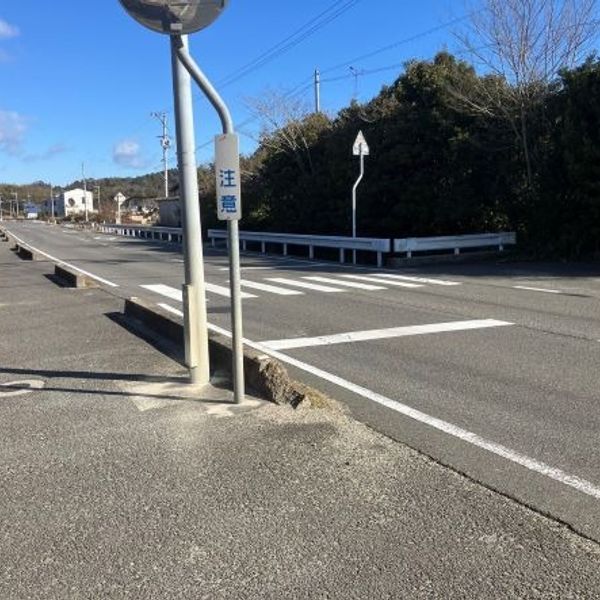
x,y
455,243
149,232
378,245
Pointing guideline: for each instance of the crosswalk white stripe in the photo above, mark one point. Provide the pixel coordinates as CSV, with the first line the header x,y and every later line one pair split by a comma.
x,y
350,284
170,309
273,289
416,279
403,284
223,291
305,285
165,290
175,294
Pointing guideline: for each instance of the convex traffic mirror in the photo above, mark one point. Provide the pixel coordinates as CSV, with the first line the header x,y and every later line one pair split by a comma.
x,y
175,17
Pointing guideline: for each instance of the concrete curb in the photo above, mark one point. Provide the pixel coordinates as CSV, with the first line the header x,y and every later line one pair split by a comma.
x,y
71,278
266,376
26,253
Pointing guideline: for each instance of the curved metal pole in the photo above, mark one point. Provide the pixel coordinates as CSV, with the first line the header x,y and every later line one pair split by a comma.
x,y
232,226
205,85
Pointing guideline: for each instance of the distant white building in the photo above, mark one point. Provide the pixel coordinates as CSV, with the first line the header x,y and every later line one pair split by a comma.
x,y
30,210
71,203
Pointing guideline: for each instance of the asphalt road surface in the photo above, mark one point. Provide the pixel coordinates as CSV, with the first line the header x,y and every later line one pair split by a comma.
x,y
492,369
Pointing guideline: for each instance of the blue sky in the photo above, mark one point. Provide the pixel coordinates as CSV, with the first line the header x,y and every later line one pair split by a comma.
x,y
79,80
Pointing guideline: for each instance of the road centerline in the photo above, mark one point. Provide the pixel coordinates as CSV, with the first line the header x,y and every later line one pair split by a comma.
x,y
382,334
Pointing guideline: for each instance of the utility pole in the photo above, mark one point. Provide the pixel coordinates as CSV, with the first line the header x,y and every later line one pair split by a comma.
x,y
16,195
51,202
97,187
317,91
165,142
84,191
1,217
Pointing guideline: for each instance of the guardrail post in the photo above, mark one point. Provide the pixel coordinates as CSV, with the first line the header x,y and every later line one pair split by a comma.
x,y
244,245
285,252
456,251
263,247
342,255
311,252
380,259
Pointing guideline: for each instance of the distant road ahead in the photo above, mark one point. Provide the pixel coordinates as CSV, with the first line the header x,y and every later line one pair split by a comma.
x,y
491,369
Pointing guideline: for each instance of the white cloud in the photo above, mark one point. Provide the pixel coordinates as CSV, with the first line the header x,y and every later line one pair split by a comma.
x,y
13,127
7,30
51,152
128,153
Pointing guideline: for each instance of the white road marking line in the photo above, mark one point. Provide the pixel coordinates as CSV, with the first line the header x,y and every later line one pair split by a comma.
x,y
350,284
305,285
223,291
165,290
581,485
534,289
417,279
383,334
250,268
66,264
171,309
403,284
264,287
20,388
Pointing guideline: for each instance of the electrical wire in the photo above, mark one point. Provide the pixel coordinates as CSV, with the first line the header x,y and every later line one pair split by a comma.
x,y
338,8
388,47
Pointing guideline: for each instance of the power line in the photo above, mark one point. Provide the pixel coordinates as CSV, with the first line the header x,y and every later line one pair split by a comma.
x,y
331,13
412,38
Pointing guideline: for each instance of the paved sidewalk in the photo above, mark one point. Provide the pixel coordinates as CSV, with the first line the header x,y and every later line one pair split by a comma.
x,y
113,484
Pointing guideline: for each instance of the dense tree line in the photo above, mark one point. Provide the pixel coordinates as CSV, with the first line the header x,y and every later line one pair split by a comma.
x,y
437,167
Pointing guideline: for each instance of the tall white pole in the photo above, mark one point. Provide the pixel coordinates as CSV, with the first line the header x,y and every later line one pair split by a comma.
x,y
194,295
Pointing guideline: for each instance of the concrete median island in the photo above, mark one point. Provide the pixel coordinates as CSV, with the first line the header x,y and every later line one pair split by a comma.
x,y
265,376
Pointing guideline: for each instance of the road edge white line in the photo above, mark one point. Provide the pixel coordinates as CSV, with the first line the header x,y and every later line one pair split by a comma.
x,y
581,485
62,262
534,289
